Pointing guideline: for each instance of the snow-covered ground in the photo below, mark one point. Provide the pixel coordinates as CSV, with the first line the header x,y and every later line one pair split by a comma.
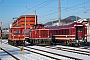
x,y
34,56
5,56
85,57
88,38
16,52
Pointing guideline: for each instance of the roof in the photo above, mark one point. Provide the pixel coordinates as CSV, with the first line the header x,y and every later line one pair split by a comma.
x,y
29,15
66,26
16,28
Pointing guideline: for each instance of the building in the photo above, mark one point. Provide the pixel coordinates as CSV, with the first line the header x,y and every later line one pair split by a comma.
x,y
25,21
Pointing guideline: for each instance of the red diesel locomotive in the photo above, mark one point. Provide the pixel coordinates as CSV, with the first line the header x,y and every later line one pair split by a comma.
x,y
71,34
16,36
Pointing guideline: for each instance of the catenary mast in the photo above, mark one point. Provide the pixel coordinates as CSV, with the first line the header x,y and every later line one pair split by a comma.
x,y
59,12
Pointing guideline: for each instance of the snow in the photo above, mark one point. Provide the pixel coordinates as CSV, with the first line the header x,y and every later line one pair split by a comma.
x,y
88,37
27,55
16,52
5,56
48,54
84,57
33,56
73,48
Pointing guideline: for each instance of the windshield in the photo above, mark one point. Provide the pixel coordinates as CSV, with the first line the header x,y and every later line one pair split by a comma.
x,y
16,32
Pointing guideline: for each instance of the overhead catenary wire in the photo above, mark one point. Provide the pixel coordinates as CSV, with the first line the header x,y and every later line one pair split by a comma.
x,y
1,2
42,6
36,6
80,12
65,9
44,3
49,14
76,5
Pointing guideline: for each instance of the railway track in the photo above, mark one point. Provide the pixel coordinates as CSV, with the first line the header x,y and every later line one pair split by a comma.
x,y
54,55
70,50
33,51
10,54
56,58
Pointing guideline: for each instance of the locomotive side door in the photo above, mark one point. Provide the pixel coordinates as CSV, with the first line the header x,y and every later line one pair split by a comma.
x,y
79,35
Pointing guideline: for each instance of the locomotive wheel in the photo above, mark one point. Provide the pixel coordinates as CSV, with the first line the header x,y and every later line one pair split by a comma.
x,y
8,41
11,42
31,41
75,44
15,43
40,41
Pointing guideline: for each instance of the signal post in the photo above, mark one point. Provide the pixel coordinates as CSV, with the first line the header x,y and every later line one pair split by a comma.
x,y
1,32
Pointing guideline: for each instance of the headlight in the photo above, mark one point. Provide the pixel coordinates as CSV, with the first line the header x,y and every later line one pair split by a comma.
x,y
48,36
77,41
85,38
39,36
80,40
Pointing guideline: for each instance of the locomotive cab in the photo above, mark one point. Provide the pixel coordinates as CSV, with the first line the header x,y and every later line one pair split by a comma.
x,y
80,34
71,34
39,35
16,37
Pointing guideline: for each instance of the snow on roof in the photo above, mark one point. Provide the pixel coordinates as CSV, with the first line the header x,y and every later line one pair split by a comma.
x,y
81,20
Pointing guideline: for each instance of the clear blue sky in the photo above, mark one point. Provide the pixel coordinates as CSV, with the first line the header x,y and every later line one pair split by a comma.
x,y
46,11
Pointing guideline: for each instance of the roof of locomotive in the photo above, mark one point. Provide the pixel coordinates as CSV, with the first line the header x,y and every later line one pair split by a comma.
x,y
66,26
26,30
16,28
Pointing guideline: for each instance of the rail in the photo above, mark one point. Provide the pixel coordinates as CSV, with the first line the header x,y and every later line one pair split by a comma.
x,y
41,54
70,50
10,54
56,54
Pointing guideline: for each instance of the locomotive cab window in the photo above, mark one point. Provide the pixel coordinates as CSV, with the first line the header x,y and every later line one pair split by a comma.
x,y
61,32
64,31
16,32
58,32
80,29
67,31
11,31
